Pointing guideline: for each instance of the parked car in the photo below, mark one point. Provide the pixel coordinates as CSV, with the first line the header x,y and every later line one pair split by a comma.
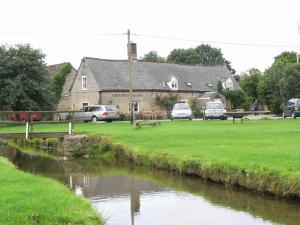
x,y
214,110
22,116
96,113
292,108
181,110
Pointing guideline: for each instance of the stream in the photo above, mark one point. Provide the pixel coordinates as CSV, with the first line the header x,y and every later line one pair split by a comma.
x,y
127,195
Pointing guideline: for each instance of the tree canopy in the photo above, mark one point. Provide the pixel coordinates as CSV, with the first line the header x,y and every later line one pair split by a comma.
x,y
153,56
290,82
249,82
204,55
23,80
271,85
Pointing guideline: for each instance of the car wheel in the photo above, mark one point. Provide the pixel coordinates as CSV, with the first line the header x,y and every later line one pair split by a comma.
x,y
94,119
190,118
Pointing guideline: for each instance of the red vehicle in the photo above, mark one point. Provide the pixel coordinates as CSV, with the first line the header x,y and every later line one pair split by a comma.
x,y
22,116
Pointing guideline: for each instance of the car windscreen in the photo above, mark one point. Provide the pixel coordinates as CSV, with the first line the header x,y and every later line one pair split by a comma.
x,y
181,106
111,108
214,106
293,102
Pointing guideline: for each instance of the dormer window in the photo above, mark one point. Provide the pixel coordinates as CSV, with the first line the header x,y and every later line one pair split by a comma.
x,y
228,84
173,84
84,83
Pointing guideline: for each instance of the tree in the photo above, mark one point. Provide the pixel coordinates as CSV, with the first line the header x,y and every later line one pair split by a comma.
x,y
183,56
220,87
153,56
23,79
269,84
58,81
249,82
290,82
209,56
236,97
204,55
166,102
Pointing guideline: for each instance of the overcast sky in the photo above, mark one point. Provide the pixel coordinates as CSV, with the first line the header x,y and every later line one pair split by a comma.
x,y
44,23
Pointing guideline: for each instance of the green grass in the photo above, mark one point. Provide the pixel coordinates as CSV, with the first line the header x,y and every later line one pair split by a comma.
x,y
262,155
30,199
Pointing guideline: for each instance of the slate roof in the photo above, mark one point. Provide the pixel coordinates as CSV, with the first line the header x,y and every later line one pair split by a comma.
x,y
113,75
210,94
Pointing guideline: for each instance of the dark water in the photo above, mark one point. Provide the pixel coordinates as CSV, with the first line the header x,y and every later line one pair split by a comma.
x,y
126,195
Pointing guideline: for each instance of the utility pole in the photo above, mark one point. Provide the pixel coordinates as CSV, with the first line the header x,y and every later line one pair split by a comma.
x,y
130,78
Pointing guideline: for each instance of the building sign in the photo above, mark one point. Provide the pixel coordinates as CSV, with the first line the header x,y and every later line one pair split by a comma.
x,y
123,95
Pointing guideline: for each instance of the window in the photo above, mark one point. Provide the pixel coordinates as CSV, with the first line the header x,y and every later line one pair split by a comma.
x,y
227,84
173,84
136,107
84,104
84,82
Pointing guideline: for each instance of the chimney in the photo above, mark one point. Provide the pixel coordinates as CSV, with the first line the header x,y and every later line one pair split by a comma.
x,y
133,51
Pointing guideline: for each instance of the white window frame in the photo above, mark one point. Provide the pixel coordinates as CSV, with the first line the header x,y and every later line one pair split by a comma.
x,y
84,104
138,106
173,84
84,83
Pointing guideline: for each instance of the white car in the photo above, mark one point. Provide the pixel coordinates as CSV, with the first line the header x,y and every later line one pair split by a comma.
x,y
214,110
181,110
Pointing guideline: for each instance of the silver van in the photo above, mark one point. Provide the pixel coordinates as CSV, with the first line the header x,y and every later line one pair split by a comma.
x,y
97,113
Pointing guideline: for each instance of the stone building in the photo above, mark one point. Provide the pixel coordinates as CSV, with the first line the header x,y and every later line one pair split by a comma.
x,y
102,81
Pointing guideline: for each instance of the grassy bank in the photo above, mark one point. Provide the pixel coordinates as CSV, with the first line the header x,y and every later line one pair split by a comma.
x,y
259,155
30,199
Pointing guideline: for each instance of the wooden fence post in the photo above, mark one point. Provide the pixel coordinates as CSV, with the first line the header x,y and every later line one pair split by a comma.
x,y
27,130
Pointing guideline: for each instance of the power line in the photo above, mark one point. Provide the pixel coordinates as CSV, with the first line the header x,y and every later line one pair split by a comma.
x,y
61,34
216,42
149,36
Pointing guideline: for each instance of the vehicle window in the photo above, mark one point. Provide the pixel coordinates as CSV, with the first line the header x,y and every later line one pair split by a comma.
x,y
214,106
84,109
90,109
181,106
111,108
291,103
98,108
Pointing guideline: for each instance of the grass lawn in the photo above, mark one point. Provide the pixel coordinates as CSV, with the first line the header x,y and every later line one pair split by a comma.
x,y
266,148
30,199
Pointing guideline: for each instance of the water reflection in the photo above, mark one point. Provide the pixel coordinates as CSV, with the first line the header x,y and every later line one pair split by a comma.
x,y
128,195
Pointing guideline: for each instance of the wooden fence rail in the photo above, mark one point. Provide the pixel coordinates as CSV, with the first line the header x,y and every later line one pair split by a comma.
x,y
29,122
